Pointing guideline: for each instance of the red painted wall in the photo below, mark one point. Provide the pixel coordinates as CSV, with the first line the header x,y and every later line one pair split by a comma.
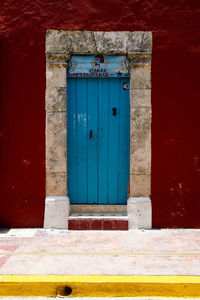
x,y
175,100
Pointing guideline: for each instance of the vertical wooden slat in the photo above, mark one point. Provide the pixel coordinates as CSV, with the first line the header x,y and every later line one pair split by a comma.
x,y
124,142
92,142
103,141
82,140
113,142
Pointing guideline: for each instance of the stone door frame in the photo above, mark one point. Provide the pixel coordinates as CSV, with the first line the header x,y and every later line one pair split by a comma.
x,y
60,44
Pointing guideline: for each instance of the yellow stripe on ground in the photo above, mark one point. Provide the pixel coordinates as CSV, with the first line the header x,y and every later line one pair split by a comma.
x,y
103,253
100,286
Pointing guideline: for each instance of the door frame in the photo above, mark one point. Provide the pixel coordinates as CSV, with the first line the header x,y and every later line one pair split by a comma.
x,y
137,45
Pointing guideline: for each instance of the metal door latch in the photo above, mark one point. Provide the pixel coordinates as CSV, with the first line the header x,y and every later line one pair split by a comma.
x,y
114,111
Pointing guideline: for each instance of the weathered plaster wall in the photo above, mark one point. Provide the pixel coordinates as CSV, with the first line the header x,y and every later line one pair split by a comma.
x,y
175,100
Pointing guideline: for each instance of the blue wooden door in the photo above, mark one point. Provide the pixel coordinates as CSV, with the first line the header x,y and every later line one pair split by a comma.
x,y
98,129
98,140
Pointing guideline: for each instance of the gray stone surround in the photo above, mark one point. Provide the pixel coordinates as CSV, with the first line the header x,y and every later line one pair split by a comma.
x,y
60,44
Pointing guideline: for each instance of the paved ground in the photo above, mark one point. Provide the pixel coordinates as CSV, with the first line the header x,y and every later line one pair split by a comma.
x,y
135,252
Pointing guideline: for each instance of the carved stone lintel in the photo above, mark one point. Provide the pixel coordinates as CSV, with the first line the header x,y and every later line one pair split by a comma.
x,y
58,59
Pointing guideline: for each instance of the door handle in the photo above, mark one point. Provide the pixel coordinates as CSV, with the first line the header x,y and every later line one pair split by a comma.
x,y
90,133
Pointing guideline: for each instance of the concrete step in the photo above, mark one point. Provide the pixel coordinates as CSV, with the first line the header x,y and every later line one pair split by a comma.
x,y
94,208
95,221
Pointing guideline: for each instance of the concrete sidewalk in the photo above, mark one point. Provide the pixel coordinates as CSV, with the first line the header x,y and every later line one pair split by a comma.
x,y
123,262
135,252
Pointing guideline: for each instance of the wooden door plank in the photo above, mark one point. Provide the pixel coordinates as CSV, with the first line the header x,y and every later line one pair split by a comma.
x,y
113,153
103,141
92,141
71,140
124,132
81,139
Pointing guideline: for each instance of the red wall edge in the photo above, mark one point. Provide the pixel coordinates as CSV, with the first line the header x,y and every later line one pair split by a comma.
x,y
175,100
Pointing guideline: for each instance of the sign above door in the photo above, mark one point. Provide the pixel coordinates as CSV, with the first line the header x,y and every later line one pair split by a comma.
x,y
98,65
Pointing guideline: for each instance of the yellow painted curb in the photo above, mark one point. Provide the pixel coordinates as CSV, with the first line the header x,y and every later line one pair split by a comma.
x,y
99,286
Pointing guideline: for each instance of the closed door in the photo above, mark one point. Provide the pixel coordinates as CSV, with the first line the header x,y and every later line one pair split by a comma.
x,y
98,140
